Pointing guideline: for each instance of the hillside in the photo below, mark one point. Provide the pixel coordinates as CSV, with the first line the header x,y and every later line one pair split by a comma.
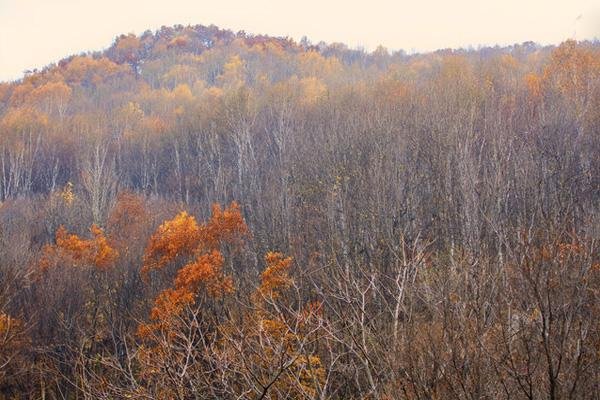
x,y
376,225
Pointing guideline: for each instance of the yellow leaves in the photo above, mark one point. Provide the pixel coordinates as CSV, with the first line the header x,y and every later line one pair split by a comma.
x,y
67,194
213,92
313,90
48,96
132,110
534,85
284,334
233,76
273,327
182,93
19,124
78,252
573,69
275,277
269,334
508,62
174,102
20,93
313,64
233,66
308,370
127,43
457,70
178,74
535,315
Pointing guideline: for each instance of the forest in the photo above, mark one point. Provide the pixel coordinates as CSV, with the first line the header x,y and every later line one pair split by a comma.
x,y
194,213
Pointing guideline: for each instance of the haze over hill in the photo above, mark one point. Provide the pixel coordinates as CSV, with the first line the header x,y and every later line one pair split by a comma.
x,y
194,213
50,30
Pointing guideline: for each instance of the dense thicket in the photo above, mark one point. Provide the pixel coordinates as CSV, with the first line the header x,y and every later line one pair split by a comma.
x,y
440,213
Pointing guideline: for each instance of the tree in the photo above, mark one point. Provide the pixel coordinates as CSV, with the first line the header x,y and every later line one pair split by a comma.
x,y
128,49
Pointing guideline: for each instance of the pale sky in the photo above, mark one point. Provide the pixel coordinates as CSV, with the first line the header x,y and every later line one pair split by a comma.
x,y
34,33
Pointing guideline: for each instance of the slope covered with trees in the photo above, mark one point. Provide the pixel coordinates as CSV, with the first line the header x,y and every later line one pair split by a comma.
x,y
195,213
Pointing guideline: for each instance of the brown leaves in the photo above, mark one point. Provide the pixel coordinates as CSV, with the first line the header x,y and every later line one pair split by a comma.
x,y
7,326
128,220
12,341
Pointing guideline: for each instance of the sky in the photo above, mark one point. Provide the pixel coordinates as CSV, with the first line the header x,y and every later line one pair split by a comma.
x,y
34,33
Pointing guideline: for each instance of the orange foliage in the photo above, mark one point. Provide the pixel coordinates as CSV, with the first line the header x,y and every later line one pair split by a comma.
x,y
206,269
87,69
183,237
275,277
225,225
174,238
79,252
20,93
128,49
24,120
50,92
179,41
